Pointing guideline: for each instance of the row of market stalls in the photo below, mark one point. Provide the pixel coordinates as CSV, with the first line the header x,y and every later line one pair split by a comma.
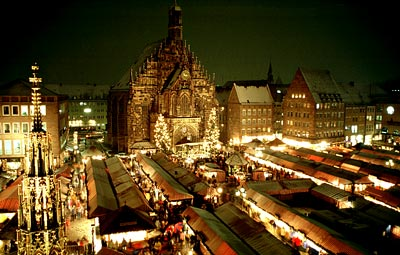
x,y
357,162
114,199
353,229
319,172
289,223
226,231
230,231
380,182
292,227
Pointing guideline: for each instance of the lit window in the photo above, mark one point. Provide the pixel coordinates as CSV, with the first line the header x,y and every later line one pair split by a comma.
x,y
43,110
24,110
6,128
25,127
15,128
7,147
17,147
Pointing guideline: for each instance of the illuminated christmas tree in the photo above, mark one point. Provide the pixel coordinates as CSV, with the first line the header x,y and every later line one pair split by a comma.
x,y
212,131
161,134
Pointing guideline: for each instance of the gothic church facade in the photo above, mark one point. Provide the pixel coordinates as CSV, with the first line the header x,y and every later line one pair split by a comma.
x,y
167,79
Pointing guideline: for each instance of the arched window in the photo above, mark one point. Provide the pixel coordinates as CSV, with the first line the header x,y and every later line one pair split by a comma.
x,y
185,105
172,109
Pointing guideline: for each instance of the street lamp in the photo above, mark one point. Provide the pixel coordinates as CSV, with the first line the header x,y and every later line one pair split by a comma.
x,y
241,193
390,163
220,190
93,232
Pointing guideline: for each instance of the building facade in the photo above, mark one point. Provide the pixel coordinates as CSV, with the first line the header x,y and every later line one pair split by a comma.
x,y
250,114
16,122
167,79
231,109
87,104
318,111
314,109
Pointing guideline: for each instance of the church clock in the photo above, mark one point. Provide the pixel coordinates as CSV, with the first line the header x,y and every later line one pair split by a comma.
x,y
185,74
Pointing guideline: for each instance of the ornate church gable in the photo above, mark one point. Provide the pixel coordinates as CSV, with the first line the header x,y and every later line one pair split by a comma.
x,y
171,81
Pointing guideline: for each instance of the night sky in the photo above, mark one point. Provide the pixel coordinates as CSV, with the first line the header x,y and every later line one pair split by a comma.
x,y
96,41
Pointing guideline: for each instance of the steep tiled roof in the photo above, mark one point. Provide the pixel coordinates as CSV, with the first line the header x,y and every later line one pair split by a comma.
x,y
323,87
21,87
123,83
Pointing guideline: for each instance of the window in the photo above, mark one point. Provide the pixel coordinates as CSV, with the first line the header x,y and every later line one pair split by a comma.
x,y
15,110
25,127
1,148
243,112
243,121
7,147
6,110
249,112
24,110
17,147
16,128
43,110
44,125
6,128
185,105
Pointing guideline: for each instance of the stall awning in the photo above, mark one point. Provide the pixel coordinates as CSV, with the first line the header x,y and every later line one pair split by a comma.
x,y
252,232
101,199
9,197
164,180
334,243
127,192
125,219
218,238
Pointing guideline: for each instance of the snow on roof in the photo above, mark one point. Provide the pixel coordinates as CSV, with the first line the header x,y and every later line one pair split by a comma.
x,y
254,94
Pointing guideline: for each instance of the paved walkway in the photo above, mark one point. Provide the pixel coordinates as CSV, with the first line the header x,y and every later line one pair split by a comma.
x,y
80,228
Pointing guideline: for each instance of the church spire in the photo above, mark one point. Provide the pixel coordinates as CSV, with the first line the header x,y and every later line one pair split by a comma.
x,y
270,77
175,26
41,215
36,100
